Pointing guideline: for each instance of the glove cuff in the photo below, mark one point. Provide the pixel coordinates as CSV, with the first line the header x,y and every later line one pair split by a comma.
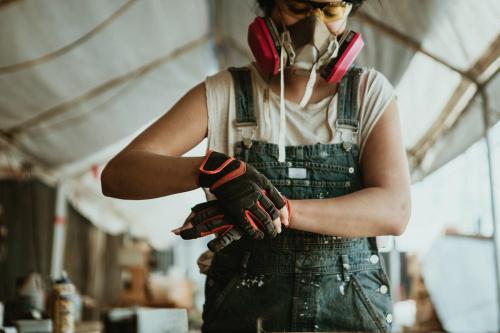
x,y
217,169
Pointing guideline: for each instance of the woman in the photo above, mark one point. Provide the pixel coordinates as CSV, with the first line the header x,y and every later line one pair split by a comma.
x,y
335,161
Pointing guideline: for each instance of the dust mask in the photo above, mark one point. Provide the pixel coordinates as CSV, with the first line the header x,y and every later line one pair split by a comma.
x,y
309,45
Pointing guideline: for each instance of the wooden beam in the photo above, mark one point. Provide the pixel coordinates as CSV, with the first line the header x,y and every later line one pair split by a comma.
x,y
480,74
67,48
408,41
486,68
459,101
102,88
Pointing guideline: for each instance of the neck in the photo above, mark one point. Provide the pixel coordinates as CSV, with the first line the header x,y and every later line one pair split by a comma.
x,y
295,86
295,83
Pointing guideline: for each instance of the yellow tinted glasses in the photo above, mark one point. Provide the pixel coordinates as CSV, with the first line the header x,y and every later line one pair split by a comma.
x,y
329,11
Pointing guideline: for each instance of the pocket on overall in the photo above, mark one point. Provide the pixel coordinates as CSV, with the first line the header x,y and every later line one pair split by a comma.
x,y
353,302
372,288
217,290
235,304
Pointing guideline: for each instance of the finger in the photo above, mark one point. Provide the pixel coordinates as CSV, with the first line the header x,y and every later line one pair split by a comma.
x,y
190,233
284,216
268,206
188,218
199,213
263,219
275,196
225,239
208,223
204,228
277,225
204,205
208,212
186,225
249,224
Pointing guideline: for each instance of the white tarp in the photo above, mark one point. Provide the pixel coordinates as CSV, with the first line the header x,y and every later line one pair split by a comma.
x,y
460,279
79,78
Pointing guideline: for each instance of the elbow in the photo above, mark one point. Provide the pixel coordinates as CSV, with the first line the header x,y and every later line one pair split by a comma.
x,y
400,218
106,191
398,228
107,182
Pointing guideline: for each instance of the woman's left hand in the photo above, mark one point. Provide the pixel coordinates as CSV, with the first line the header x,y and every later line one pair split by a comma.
x,y
206,219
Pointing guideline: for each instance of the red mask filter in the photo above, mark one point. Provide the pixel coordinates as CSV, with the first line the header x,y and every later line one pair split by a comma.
x,y
263,38
350,45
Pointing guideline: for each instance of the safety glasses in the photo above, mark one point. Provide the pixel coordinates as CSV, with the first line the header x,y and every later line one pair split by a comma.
x,y
329,11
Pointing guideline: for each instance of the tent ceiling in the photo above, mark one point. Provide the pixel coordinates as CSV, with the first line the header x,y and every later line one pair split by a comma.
x,y
129,64
79,78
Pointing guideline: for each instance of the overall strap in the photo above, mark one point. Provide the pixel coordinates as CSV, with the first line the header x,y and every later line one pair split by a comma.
x,y
348,107
243,93
347,122
246,121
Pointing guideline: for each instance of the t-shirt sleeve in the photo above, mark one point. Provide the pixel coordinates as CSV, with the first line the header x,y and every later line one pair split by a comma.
x,y
376,92
218,96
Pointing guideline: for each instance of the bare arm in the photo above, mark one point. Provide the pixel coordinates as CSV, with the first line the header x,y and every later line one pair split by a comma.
x,y
151,166
382,207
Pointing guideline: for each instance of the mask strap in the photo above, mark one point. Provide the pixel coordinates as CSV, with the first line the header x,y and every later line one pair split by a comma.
x,y
281,139
309,86
333,48
332,52
286,42
286,46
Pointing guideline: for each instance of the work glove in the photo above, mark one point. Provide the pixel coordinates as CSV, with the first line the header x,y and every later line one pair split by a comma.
x,y
244,194
207,219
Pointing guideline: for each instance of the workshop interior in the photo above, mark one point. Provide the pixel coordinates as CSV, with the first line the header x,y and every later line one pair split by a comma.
x,y
79,80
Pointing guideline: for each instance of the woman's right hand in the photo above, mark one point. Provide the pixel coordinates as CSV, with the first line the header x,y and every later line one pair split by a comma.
x,y
153,165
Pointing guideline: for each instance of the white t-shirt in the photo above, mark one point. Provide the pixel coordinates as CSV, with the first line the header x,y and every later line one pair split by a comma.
x,y
310,125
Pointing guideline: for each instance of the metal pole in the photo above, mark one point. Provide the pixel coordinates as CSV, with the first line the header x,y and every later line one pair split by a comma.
x,y
496,227
59,238
395,271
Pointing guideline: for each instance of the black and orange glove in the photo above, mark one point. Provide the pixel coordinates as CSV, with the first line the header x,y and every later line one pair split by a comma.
x,y
243,193
207,219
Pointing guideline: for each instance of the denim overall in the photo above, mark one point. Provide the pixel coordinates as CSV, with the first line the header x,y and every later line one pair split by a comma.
x,y
299,281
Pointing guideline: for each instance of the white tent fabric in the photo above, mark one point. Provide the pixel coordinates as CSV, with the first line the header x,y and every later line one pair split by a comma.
x,y
78,79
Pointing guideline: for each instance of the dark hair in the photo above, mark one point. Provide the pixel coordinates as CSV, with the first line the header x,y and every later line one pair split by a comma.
x,y
267,6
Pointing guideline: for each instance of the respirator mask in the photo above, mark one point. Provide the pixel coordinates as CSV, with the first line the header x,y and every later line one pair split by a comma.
x,y
307,46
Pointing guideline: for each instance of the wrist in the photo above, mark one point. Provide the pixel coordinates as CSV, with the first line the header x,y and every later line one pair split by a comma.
x,y
288,205
292,206
217,168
